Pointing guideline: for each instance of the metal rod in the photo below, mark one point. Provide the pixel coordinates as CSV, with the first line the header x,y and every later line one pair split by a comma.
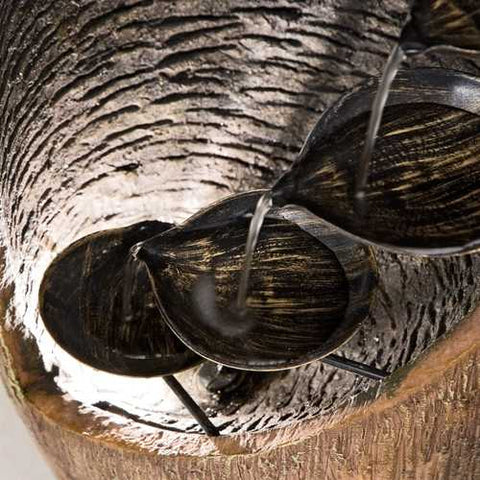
x,y
355,367
197,412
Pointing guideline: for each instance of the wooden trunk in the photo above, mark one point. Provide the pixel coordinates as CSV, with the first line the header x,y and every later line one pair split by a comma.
x,y
117,111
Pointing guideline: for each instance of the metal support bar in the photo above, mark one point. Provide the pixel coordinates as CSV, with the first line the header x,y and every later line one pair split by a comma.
x,y
355,367
190,404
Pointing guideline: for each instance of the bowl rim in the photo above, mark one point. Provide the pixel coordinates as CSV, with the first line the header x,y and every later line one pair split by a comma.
x,y
361,283
124,364
459,90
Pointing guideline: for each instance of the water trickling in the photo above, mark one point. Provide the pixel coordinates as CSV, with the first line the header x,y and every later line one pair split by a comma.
x,y
232,320
263,206
130,273
429,27
391,68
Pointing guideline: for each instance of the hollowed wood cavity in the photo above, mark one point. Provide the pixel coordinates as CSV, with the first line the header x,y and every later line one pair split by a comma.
x,y
115,112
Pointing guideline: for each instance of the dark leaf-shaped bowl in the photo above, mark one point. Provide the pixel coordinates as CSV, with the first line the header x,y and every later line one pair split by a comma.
x,y
310,287
445,24
98,305
423,189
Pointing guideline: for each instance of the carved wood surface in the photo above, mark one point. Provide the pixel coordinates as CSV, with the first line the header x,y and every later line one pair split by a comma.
x,y
119,111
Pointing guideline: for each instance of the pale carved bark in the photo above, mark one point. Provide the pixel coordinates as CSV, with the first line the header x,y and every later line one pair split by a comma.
x,y
117,111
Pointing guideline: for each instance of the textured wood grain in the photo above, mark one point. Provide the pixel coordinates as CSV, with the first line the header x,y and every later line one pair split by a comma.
x,y
434,406
310,288
113,112
424,179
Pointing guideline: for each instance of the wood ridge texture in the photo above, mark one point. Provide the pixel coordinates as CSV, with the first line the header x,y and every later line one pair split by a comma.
x,y
120,111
